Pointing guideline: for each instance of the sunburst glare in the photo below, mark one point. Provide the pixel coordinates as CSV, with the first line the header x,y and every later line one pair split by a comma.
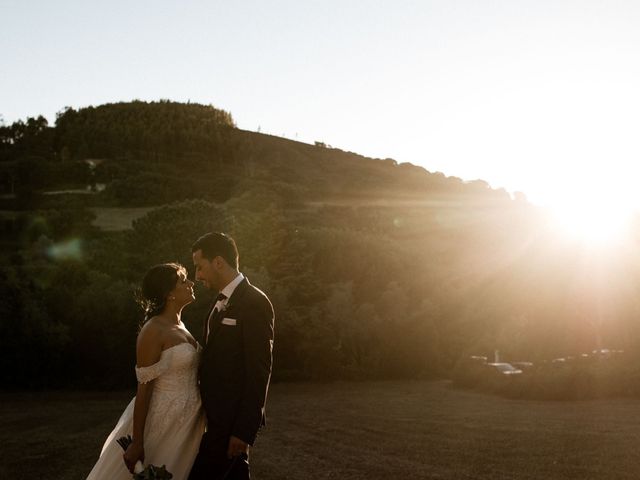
x,y
598,222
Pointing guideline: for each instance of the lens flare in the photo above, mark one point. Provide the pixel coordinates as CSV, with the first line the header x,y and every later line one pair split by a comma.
x,y
68,250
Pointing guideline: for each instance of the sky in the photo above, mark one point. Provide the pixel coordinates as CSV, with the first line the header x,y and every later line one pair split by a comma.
x,y
537,96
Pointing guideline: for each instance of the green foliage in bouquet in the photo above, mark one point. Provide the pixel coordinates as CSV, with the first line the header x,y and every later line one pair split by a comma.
x,y
152,472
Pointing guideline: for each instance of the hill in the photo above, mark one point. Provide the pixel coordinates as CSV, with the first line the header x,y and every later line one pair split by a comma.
x,y
153,153
376,269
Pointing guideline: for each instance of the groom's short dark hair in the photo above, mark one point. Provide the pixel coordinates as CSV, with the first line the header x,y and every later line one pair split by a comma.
x,y
216,244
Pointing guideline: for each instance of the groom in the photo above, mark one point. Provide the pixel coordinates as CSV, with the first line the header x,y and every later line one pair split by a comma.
x,y
235,366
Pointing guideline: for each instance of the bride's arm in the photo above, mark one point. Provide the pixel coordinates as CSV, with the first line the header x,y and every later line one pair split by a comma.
x,y
148,350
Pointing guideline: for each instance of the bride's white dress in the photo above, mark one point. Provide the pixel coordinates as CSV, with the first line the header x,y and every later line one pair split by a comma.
x,y
175,420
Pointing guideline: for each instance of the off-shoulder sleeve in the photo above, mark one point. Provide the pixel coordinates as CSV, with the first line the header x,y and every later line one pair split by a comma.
x,y
146,374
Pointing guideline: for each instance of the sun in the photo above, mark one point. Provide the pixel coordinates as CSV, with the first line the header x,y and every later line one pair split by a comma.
x,y
594,222
593,207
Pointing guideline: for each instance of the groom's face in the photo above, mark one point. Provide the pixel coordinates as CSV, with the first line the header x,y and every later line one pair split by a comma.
x,y
207,271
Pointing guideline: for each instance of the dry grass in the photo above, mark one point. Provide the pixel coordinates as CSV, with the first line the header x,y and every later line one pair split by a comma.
x,y
117,219
374,430
55,435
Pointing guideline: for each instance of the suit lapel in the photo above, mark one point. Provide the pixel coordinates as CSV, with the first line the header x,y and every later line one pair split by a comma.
x,y
236,296
206,324
214,324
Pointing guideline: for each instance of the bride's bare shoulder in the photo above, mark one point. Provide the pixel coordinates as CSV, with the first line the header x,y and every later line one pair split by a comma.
x,y
150,342
152,331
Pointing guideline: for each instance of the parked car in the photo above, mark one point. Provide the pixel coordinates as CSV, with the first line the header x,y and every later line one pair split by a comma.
x,y
478,359
522,365
504,368
605,353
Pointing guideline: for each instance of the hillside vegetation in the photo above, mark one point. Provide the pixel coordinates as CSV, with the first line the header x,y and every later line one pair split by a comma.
x,y
376,269
153,153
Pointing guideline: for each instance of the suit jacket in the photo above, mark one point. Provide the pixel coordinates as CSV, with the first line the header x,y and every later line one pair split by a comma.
x,y
235,367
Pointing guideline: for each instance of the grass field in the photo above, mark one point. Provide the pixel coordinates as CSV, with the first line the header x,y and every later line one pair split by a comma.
x,y
376,430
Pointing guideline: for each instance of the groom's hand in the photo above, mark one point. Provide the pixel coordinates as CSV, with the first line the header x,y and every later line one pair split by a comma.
x,y
237,447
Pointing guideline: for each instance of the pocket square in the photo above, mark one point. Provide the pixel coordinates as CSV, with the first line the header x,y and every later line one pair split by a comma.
x,y
229,321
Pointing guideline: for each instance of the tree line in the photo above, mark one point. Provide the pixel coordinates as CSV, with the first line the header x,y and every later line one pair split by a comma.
x,y
363,287
359,293
150,153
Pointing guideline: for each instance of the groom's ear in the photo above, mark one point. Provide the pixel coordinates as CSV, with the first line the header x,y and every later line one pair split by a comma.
x,y
218,261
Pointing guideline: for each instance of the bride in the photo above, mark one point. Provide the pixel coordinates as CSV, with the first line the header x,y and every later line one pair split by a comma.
x,y
165,418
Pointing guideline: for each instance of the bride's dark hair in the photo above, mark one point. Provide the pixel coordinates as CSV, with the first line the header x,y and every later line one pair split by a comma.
x,y
156,285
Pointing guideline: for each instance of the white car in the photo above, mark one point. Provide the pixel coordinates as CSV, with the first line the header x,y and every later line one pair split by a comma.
x,y
504,368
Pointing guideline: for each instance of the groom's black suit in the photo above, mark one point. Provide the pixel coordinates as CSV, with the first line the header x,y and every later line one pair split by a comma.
x,y
235,369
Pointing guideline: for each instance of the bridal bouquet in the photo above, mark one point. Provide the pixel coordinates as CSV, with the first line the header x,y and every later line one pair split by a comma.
x,y
140,472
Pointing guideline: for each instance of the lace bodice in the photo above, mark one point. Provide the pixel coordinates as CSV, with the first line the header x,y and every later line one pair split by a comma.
x,y
175,383
175,366
175,421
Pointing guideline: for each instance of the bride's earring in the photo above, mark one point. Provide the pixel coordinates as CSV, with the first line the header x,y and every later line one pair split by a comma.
x,y
172,298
